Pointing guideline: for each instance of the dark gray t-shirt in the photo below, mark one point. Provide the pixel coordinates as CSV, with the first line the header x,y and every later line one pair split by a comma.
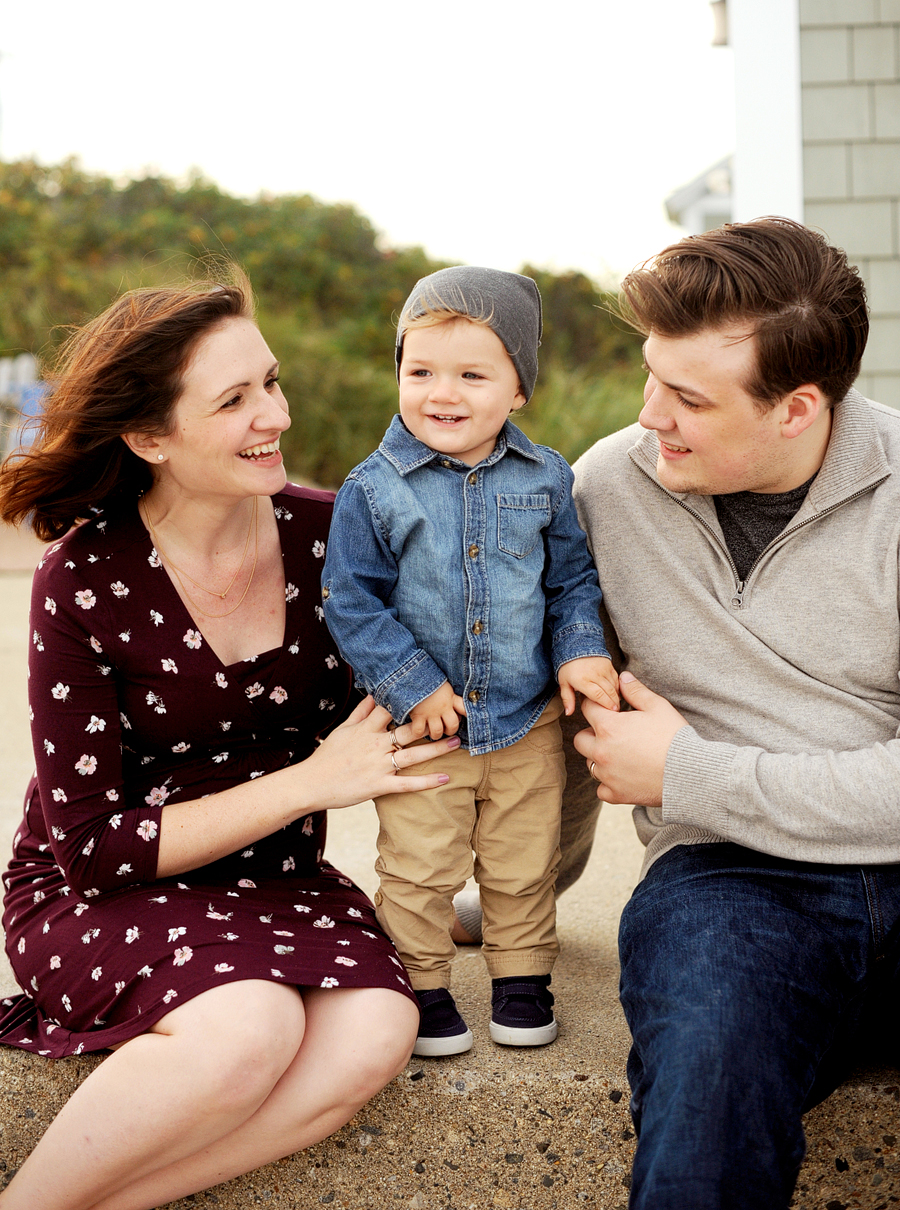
x,y
751,520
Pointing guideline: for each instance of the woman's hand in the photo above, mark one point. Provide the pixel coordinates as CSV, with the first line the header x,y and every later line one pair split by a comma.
x,y
354,763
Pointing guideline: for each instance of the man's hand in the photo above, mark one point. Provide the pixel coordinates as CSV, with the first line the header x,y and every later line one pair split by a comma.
x,y
594,677
436,715
629,750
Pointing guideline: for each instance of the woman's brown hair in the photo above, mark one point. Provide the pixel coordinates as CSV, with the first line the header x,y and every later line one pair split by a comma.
x,y
120,373
788,286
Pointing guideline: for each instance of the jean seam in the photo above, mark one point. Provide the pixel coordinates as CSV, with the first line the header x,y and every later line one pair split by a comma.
x,y
876,918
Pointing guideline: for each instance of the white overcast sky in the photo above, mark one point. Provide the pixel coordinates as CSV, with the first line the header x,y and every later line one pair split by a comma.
x,y
488,131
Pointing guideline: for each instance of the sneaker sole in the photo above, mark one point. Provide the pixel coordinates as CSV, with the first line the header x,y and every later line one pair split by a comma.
x,y
507,1035
433,1048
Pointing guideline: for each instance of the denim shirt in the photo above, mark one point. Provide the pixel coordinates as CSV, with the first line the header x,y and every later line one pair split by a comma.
x,y
480,576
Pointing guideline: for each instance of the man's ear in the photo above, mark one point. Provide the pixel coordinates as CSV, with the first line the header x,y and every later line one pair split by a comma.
x,y
803,407
145,445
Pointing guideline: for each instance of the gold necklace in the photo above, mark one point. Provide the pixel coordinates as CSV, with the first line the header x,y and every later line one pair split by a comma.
x,y
254,527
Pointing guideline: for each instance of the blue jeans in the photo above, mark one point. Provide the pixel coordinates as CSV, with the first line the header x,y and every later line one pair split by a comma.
x,y
747,982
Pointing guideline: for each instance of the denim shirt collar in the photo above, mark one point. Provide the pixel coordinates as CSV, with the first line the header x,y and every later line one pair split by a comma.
x,y
406,453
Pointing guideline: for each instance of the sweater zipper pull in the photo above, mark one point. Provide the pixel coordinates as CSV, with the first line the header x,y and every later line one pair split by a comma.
x,y
737,600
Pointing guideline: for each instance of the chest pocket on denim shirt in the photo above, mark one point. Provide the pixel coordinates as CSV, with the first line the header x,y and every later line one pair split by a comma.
x,y
520,522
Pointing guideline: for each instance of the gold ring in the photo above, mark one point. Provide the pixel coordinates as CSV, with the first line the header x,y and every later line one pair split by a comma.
x,y
392,732
591,772
394,763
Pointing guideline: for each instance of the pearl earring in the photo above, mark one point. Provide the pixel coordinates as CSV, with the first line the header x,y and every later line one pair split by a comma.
x,y
160,458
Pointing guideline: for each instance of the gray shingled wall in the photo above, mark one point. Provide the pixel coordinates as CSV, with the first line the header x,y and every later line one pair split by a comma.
x,y
850,80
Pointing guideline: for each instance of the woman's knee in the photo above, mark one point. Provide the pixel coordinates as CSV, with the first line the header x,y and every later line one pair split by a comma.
x,y
244,1036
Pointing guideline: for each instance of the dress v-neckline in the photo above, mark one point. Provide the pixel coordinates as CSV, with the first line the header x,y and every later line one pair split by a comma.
x,y
190,617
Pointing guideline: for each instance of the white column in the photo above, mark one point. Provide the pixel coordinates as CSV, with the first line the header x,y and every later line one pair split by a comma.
x,y
768,161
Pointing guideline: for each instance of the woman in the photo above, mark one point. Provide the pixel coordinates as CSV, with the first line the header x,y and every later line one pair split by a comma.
x,y
167,897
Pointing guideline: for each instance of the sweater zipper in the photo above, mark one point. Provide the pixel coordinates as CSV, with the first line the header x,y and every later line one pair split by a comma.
x,y
737,600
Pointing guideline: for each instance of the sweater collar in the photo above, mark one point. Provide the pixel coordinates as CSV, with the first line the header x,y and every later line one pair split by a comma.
x,y
854,460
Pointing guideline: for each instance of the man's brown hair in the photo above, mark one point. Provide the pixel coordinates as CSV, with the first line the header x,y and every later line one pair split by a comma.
x,y
786,284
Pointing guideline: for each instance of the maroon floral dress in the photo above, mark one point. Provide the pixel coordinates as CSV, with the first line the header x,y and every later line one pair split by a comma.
x,y
132,709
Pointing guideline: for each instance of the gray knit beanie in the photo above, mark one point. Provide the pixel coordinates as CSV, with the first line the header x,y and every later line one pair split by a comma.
x,y
508,303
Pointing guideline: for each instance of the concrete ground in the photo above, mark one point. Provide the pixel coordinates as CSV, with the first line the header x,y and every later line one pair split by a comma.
x,y
522,1130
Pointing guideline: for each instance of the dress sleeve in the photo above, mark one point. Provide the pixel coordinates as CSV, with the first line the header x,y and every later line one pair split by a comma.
x,y
100,838
359,576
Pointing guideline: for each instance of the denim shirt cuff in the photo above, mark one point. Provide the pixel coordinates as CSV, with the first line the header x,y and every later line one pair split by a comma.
x,y
415,680
576,641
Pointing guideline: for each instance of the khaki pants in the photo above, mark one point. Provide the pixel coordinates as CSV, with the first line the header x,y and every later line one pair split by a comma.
x,y
505,806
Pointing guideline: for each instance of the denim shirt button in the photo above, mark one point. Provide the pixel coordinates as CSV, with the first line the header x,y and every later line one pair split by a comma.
x,y
325,594
473,695
477,628
473,551
473,479
445,462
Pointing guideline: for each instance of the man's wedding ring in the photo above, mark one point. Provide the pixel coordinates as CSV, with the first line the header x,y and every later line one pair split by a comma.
x,y
392,732
394,761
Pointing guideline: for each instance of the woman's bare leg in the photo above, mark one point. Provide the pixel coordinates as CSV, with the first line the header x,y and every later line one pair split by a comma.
x,y
197,1075
356,1041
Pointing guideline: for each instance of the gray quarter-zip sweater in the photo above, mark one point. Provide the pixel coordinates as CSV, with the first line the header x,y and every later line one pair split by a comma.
x,y
788,679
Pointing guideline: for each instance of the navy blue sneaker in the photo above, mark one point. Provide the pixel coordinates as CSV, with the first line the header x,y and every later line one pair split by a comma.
x,y
522,1011
442,1031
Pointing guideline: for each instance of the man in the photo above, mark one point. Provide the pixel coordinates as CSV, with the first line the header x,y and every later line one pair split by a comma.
x,y
746,537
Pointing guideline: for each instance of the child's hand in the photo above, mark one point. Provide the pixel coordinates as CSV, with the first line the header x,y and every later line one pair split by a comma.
x,y
437,714
593,676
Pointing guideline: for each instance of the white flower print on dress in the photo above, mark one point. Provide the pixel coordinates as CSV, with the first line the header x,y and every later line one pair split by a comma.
x,y
280,932
96,724
124,868
169,666
288,864
170,995
194,639
95,643
222,968
183,955
104,669
345,961
153,558
96,973
320,613
175,933
278,695
120,987
157,795
88,848
246,882
326,704
147,829
90,892
119,589
318,549
125,636
229,936
85,598
67,1004
48,747
284,949
145,972
156,617
220,758
81,908
114,820
86,765
58,833
254,690
156,702
331,661
50,605
324,922
55,962
159,899
341,941
294,648
307,828
291,592
277,973
182,747
21,945
301,907
89,936
60,692
38,641
328,981
355,912
212,914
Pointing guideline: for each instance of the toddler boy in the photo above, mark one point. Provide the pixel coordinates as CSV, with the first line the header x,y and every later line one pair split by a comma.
x,y
457,584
